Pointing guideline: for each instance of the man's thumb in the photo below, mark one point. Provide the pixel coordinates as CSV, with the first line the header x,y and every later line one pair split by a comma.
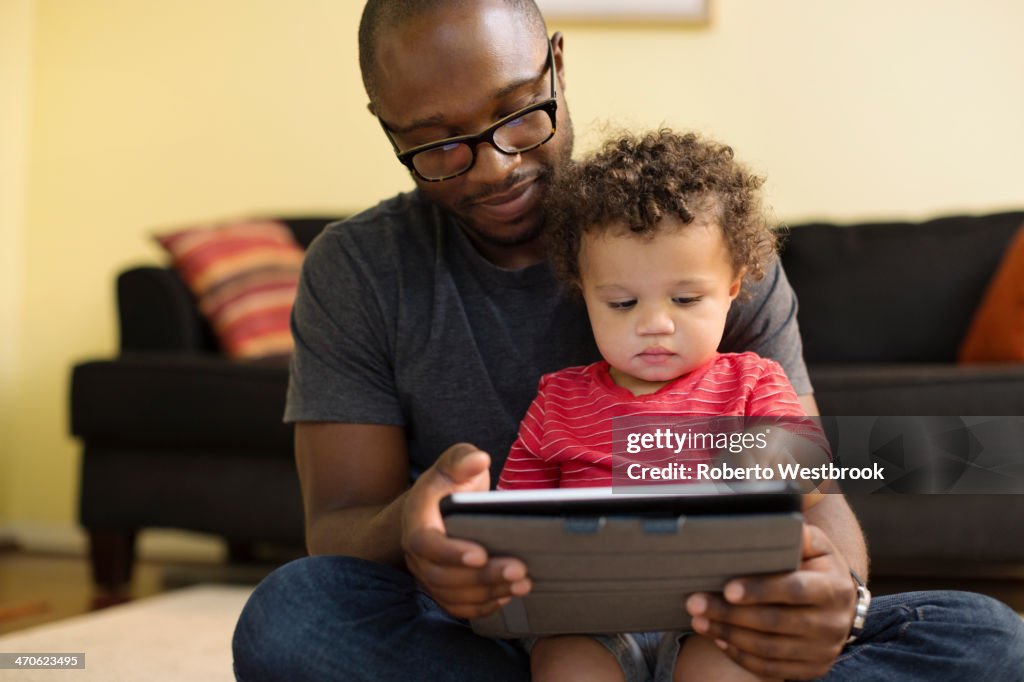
x,y
463,463
815,543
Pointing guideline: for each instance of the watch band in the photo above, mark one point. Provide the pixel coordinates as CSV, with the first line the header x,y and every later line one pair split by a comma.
x,y
860,613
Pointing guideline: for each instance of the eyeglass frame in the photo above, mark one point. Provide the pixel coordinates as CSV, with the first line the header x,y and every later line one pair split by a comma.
x,y
550,106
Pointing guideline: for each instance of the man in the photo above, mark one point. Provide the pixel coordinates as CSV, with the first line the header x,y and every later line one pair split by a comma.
x,y
427,321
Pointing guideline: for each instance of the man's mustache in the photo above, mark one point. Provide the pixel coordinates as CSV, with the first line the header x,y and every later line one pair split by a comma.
x,y
509,183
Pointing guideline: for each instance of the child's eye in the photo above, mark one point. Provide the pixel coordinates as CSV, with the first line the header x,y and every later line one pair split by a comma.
x,y
622,305
685,300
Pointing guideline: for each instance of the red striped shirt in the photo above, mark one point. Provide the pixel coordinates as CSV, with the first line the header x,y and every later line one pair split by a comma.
x,y
565,439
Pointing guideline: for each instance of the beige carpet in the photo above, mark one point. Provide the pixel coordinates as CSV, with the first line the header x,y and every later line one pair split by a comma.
x,y
181,635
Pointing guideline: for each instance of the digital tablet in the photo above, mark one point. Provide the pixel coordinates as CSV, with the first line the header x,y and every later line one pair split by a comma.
x,y
603,561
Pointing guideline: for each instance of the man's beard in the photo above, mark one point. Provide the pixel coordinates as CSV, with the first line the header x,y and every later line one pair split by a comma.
x,y
543,181
520,239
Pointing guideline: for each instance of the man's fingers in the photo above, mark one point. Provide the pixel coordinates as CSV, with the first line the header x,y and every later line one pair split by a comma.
x,y
478,594
496,572
470,611
783,669
434,546
505,569
756,620
472,592
460,587
817,584
800,588
768,647
781,620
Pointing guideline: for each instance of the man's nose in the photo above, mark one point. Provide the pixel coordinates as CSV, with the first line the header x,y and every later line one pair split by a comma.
x,y
492,166
655,320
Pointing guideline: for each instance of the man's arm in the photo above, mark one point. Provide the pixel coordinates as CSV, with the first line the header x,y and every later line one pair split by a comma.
x,y
355,490
834,516
354,478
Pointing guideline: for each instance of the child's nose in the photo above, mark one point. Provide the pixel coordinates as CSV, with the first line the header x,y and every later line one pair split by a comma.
x,y
655,320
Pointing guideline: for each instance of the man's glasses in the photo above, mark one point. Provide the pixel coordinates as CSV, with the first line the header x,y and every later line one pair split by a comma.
x,y
519,132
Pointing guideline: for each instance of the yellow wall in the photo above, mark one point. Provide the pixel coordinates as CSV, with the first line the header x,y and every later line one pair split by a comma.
x,y
15,95
148,114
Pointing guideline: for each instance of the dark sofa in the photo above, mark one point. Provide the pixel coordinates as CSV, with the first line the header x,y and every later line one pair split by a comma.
x,y
176,436
883,308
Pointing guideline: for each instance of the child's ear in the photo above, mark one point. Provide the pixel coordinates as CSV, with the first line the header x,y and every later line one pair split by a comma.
x,y
734,287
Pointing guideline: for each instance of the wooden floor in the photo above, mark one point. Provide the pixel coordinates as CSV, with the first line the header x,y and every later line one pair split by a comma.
x,y
38,588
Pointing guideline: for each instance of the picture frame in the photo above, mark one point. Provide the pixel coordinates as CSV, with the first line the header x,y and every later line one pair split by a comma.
x,y
626,11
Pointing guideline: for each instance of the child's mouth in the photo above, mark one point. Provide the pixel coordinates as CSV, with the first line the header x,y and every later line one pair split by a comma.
x,y
656,355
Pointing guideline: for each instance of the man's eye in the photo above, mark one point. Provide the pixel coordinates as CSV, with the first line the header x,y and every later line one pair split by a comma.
x,y
622,305
685,300
513,123
449,147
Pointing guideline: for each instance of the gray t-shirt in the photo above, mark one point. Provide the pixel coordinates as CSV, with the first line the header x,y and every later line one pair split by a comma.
x,y
398,320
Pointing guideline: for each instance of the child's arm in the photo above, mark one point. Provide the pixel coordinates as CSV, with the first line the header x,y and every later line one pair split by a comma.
x,y
799,439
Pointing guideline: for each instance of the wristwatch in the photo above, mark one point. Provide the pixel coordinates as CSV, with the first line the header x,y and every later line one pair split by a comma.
x,y
860,614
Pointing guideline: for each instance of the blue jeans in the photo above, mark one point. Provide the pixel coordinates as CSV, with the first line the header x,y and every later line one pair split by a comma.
x,y
339,618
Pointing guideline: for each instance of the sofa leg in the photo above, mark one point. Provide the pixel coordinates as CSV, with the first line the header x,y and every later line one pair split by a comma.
x,y
112,555
240,552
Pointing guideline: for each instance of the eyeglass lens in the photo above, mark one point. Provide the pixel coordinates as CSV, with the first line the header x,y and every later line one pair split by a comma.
x,y
518,135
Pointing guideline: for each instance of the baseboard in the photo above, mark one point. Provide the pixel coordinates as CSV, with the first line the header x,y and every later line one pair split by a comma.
x,y
153,545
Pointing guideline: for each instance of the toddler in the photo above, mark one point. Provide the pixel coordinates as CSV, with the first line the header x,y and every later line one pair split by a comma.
x,y
657,234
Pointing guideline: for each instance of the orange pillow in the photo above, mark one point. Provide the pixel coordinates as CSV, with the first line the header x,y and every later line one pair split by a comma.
x,y
244,276
996,333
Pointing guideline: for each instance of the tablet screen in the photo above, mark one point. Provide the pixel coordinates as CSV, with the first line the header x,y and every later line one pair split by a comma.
x,y
691,499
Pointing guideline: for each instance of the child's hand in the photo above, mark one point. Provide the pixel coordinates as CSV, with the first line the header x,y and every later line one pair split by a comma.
x,y
783,453
456,573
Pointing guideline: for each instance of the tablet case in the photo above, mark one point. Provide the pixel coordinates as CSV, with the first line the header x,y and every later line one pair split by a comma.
x,y
620,573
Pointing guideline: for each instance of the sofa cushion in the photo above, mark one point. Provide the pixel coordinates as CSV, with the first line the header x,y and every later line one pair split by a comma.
x,y
165,401
244,275
892,292
996,333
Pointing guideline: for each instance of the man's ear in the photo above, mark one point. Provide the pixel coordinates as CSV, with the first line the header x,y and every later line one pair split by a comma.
x,y
557,47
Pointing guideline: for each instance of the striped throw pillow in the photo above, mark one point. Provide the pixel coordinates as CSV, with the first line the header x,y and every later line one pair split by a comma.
x,y
244,276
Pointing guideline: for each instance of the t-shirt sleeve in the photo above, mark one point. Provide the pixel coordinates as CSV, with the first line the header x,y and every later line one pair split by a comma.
x,y
773,396
525,468
763,321
341,368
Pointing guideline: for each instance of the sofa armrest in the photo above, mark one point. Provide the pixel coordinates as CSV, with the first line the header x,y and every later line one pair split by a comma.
x,y
177,400
158,313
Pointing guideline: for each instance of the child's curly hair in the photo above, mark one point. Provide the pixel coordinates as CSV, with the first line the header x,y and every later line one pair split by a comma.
x,y
635,182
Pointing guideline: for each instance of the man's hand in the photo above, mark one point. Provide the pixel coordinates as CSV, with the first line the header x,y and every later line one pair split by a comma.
x,y
790,626
456,573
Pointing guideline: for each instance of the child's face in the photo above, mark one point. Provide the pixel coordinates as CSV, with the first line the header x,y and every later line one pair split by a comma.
x,y
657,306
